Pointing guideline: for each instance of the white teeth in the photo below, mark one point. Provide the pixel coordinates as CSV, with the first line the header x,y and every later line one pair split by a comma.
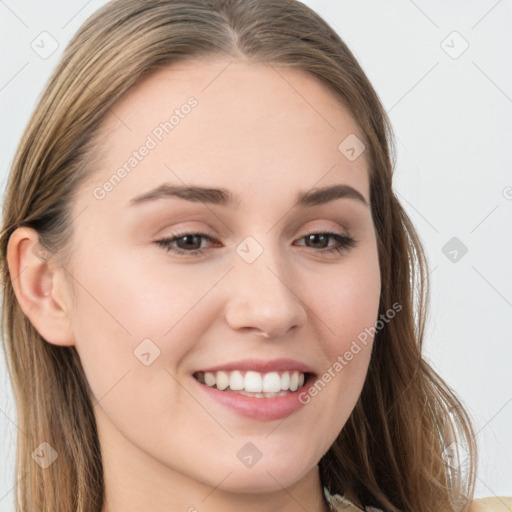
x,y
260,385
236,381
294,381
253,382
222,380
209,379
263,395
271,382
285,380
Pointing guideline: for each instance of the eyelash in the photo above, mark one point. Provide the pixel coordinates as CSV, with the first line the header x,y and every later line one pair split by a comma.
x,y
345,243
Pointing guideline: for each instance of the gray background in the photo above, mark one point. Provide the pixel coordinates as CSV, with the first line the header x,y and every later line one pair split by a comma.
x,y
452,114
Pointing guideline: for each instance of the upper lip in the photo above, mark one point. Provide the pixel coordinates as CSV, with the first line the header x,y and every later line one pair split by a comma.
x,y
261,366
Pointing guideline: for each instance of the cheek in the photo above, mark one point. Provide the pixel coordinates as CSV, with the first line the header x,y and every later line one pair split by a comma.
x,y
349,302
126,302
347,309
134,321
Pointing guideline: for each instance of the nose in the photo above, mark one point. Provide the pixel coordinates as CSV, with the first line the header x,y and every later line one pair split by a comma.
x,y
264,297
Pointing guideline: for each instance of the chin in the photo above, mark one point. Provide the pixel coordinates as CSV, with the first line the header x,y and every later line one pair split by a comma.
x,y
262,477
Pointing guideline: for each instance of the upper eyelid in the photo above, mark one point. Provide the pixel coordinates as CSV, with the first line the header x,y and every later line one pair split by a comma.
x,y
172,238
206,234
342,229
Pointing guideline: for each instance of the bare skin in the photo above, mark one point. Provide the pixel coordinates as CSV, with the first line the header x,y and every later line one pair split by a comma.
x,y
266,135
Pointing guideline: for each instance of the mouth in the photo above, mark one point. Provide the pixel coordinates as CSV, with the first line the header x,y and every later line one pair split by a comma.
x,y
255,384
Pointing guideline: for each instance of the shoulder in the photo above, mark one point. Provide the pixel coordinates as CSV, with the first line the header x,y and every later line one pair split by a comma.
x,y
497,504
338,503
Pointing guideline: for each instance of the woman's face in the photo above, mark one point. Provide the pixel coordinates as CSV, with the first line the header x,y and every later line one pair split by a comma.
x,y
146,318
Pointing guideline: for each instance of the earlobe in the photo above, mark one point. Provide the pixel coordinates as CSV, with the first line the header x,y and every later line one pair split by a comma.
x,y
39,288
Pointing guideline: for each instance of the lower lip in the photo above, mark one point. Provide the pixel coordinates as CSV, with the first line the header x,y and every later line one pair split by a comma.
x,y
262,409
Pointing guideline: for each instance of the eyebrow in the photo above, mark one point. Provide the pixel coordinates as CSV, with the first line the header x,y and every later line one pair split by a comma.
x,y
224,197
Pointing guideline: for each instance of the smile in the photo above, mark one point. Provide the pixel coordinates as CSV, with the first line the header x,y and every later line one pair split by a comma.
x,y
254,384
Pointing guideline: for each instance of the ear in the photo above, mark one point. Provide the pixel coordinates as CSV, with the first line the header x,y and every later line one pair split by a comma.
x,y
40,289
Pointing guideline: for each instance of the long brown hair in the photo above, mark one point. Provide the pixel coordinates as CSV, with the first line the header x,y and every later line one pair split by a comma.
x,y
396,450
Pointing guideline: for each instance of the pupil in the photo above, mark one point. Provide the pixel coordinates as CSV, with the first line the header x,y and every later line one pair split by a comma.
x,y
312,237
189,239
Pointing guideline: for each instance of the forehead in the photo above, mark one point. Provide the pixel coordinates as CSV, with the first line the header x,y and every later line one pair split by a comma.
x,y
213,121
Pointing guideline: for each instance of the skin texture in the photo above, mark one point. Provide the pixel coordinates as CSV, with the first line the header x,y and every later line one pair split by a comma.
x,y
266,134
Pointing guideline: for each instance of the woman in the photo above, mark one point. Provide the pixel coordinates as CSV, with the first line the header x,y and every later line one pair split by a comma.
x,y
258,370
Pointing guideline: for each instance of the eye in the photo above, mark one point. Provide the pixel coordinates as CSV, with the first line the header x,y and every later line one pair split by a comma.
x,y
344,242
189,243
